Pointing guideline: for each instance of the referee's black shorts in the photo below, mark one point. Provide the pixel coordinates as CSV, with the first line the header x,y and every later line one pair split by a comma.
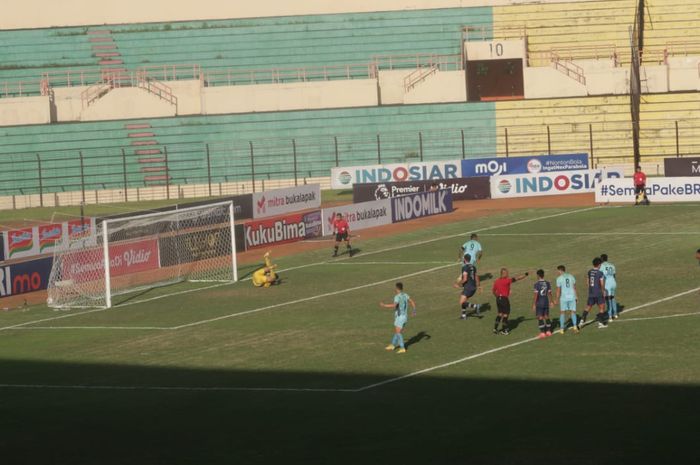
x,y
341,236
503,305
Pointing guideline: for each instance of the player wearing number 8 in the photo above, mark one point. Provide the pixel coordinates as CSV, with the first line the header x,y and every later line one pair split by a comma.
x,y
566,295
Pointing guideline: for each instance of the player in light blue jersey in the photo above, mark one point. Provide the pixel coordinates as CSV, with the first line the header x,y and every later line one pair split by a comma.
x,y
473,248
400,306
566,295
609,272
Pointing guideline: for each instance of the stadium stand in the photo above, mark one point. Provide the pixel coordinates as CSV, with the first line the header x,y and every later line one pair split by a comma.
x,y
234,45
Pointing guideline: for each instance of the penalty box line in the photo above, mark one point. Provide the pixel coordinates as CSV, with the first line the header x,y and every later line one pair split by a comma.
x,y
514,344
364,254
330,390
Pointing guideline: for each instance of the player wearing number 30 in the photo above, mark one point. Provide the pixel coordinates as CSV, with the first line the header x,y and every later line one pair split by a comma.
x,y
400,306
609,272
566,295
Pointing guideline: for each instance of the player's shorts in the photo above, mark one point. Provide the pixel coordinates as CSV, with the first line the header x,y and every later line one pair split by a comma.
x,y
595,300
541,311
567,305
503,305
341,236
400,321
468,291
610,287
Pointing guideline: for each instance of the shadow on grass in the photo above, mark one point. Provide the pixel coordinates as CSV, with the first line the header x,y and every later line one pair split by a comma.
x,y
417,338
427,419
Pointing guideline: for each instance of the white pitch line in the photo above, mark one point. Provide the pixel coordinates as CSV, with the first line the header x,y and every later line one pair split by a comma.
x,y
364,254
662,317
443,262
508,346
614,233
99,387
318,390
143,328
313,297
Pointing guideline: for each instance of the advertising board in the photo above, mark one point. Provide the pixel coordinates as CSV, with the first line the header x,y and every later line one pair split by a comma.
x,y
462,189
194,246
557,183
682,166
124,258
422,204
36,240
343,178
281,201
21,278
668,189
285,229
359,215
521,165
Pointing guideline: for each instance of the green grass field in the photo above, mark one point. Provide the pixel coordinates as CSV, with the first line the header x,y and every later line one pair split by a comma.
x,y
298,373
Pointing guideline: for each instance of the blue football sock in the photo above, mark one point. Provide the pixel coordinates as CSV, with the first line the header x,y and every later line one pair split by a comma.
x,y
399,339
573,318
394,340
613,305
562,321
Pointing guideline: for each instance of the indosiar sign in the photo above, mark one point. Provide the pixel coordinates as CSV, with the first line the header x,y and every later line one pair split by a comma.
x,y
342,178
413,206
558,183
520,165
669,189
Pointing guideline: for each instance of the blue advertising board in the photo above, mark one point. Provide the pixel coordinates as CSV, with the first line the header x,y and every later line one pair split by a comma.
x,y
522,165
421,204
24,277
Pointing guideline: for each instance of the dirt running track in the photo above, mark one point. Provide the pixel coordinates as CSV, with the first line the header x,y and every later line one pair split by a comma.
x,y
464,210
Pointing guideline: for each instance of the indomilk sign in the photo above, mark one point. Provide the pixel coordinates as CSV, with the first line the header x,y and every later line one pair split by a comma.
x,y
412,206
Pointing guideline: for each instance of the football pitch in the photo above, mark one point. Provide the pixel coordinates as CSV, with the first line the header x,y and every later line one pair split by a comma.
x,y
297,373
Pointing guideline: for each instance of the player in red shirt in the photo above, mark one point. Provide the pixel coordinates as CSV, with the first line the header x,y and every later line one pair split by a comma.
x,y
341,228
501,289
640,181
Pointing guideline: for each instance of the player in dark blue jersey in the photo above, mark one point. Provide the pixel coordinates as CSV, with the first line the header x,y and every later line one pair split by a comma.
x,y
469,282
540,304
596,295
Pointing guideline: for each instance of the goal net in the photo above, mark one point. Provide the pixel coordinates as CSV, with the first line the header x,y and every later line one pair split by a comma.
x,y
195,244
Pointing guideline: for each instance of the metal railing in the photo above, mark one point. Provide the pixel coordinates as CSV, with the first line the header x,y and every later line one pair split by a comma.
x,y
232,77
569,68
418,75
301,158
453,62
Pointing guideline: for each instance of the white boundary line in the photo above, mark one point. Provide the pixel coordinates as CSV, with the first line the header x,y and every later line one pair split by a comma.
x,y
346,390
364,254
307,299
662,317
28,328
442,262
613,233
498,349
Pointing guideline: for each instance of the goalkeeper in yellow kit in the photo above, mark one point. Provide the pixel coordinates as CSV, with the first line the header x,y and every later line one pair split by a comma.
x,y
266,276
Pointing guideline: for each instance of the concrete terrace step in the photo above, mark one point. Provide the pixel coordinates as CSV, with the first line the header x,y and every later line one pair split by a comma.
x,y
107,54
144,142
99,32
160,177
104,47
148,152
141,134
101,39
153,169
137,126
110,62
152,160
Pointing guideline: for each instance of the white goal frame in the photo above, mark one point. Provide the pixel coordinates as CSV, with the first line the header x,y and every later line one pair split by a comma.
x,y
103,229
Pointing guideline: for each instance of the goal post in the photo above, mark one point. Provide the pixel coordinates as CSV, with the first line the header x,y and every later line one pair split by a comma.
x,y
141,252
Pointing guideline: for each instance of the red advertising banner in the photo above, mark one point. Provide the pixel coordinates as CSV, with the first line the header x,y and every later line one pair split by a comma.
x,y
48,236
79,228
132,257
281,230
20,241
